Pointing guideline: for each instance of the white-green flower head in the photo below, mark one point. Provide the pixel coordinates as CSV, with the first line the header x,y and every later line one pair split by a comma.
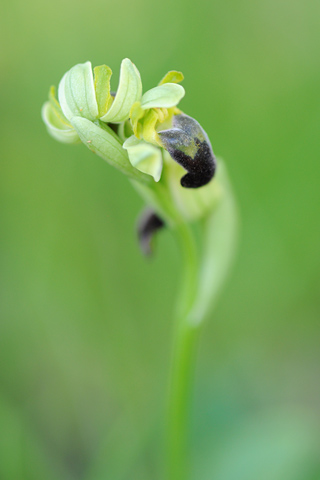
x,y
86,107
144,135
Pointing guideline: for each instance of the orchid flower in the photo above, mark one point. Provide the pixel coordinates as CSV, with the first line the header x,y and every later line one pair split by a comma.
x,y
169,160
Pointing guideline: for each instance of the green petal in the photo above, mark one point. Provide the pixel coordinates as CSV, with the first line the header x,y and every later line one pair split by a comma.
x,y
145,157
100,139
76,93
57,128
149,126
172,77
136,115
102,75
163,96
129,92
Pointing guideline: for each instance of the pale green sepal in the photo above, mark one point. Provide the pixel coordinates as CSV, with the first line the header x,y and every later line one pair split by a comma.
x,y
172,77
56,127
101,140
163,96
76,93
102,75
56,107
145,157
129,91
136,115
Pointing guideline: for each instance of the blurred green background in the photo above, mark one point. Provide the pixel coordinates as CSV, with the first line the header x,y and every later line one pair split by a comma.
x,y
85,331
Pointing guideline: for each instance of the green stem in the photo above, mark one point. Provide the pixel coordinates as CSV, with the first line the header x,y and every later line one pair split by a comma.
x,y
185,343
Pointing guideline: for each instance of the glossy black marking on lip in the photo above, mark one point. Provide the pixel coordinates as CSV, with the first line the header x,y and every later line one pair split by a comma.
x,y
185,137
148,224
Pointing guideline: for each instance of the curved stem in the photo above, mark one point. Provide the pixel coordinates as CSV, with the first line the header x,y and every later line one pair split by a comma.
x,y
185,342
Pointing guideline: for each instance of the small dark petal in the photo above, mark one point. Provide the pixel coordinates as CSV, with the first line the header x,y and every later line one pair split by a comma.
x,y
148,224
187,132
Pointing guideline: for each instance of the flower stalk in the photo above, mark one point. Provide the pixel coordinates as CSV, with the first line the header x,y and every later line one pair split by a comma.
x,y
183,361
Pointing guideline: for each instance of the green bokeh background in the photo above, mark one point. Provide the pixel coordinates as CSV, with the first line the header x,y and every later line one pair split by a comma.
x,y
85,331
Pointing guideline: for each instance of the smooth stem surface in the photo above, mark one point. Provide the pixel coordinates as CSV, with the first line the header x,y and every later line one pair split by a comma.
x,y
185,342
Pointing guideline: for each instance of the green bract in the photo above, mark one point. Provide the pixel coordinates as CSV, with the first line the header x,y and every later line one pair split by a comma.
x,y
100,139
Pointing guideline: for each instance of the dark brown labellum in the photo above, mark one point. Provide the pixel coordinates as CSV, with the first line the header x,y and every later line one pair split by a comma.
x,y
189,145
